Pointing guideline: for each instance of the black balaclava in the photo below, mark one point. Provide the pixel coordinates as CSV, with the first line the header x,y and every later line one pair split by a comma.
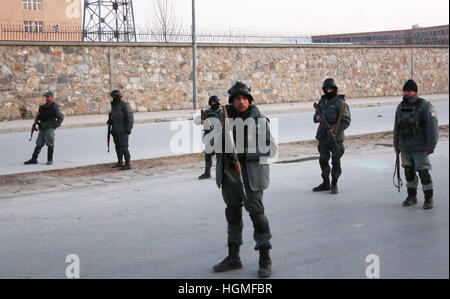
x,y
116,100
330,95
215,105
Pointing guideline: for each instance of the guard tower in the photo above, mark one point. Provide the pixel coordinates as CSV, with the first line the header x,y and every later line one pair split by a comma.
x,y
108,21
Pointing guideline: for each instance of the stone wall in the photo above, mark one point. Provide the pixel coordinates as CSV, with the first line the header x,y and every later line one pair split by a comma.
x,y
157,77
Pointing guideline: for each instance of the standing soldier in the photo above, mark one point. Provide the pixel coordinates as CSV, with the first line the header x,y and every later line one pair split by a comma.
x,y
254,179
48,118
334,117
214,112
416,136
121,120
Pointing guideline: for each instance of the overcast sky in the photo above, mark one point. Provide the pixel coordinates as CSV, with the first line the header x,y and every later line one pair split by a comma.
x,y
303,17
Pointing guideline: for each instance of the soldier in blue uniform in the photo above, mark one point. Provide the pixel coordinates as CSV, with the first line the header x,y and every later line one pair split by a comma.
x,y
416,136
48,118
212,112
333,108
121,120
255,174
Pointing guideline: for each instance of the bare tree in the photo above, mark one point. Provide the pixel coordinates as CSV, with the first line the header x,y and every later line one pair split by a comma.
x,y
166,26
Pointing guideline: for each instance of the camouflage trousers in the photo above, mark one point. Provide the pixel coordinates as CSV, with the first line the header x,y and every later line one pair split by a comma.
x,y
45,137
234,200
335,151
414,162
208,161
121,144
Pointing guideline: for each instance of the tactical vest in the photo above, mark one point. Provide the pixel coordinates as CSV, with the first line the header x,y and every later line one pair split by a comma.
x,y
47,113
330,109
409,118
211,113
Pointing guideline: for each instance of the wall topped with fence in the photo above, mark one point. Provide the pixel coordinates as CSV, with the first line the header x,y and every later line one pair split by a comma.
x,y
156,77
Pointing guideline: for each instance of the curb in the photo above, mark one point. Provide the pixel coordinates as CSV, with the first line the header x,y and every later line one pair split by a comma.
x,y
304,159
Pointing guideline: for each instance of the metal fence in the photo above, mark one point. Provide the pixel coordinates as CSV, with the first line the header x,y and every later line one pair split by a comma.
x,y
224,38
14,32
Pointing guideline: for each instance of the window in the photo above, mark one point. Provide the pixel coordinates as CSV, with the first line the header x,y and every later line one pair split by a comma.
x,y
32,4
33,26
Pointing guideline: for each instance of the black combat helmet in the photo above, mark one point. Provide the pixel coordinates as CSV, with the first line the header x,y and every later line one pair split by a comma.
x,y
239,88
116,94
330,82
213,98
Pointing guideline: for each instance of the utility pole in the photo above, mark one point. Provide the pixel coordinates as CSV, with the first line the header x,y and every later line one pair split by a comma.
x,y
194,57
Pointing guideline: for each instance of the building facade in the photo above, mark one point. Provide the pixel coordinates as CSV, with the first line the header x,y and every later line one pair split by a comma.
x,y
437,35
40,20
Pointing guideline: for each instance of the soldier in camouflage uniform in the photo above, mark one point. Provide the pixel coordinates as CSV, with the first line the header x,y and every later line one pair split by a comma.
x,y
212,112
255,172
332,106
48,118
416,136
121,120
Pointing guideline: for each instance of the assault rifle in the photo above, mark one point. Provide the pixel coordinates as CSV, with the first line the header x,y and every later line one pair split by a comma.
x,y
234,156
327,124
399,182
33,128
108,134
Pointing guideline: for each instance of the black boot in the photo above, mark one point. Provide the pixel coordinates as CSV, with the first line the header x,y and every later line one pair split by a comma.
x,y
118,164
50,155
325,186
265,263
334,187
127,166
33,159
231,262
206,175
119,154
428,205
411,199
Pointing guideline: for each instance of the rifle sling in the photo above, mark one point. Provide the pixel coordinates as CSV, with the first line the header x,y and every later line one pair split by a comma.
x,y
341,114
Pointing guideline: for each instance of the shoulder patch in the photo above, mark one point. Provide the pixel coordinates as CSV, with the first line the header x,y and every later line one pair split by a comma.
x,y
432,111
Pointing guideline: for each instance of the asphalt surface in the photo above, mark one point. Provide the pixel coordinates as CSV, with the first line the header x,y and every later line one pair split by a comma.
x,y
87,146
174,226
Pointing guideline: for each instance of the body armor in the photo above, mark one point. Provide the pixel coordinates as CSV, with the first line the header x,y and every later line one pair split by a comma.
x,y
409,118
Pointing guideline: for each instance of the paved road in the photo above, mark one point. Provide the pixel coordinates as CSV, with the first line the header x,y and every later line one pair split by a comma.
x,y
167,228
87,146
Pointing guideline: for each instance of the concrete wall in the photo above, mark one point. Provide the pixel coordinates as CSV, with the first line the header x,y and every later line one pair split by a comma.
x,y
158,77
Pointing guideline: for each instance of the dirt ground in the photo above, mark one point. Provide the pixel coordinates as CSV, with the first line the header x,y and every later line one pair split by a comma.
x,y
59,180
